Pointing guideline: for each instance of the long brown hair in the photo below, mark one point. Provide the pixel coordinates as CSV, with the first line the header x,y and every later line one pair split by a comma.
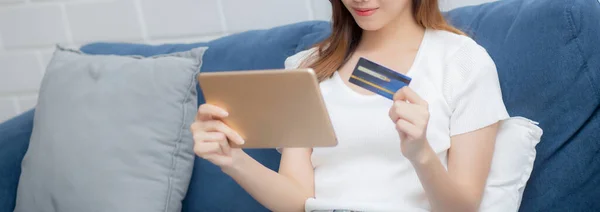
x,y
334,51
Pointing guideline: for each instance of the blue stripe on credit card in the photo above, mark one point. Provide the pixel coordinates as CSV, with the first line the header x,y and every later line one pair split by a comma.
x,y
377,78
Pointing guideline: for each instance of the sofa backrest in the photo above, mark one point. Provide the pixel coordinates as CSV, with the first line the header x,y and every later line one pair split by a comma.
x,y
549,67
548,58
210,189
548,62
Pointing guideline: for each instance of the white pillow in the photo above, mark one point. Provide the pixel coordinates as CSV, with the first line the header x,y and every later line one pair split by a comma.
x,y
511,164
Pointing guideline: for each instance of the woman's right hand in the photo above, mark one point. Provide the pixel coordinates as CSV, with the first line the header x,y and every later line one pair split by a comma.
x,y
278,192
212,137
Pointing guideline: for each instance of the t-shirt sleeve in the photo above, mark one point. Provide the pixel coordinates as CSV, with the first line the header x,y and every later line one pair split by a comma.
x,y
475,97
296,60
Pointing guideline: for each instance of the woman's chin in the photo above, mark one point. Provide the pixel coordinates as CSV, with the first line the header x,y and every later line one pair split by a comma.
x,y
370,26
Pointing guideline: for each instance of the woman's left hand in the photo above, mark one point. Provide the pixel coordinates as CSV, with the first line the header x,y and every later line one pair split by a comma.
x,y
410,113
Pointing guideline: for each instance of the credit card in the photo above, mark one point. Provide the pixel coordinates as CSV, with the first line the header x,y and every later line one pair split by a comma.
x,y
377,78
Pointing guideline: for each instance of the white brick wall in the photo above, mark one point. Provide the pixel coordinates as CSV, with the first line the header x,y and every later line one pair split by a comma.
x,y
29,29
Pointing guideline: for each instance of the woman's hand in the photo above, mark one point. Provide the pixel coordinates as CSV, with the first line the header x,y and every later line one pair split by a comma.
x,y
410,113
212,136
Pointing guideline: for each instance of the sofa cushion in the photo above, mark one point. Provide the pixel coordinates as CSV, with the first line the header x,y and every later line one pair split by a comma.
x,y
549,71
111,133
256,49
533,42
210,189
14,140
548,61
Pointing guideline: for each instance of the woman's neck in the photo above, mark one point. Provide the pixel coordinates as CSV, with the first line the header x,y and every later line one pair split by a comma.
x,y
402,33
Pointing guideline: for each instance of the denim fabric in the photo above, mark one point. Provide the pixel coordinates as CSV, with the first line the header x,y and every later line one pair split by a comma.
x,y
14,140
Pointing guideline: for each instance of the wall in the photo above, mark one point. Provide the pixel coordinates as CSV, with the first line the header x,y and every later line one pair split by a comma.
x,y
29,30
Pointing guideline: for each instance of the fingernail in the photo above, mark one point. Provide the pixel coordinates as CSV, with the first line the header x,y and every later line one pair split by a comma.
x,y
225,113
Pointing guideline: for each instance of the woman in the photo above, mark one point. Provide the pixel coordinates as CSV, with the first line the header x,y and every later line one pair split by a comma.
x,y
428,149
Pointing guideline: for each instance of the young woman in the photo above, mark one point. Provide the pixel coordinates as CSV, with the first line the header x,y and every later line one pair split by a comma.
x,y
428,149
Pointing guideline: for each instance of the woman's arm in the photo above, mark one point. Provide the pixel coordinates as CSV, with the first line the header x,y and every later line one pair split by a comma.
x,y
283,191
461,187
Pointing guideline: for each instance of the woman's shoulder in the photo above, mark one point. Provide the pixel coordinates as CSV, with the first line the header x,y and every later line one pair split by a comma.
x,y
458,45
463,53
297,59
471,84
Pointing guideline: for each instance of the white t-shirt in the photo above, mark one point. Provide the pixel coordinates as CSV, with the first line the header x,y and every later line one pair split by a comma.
x,y
367,171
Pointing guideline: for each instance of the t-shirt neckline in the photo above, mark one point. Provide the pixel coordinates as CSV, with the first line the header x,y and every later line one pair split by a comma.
x,y
338,79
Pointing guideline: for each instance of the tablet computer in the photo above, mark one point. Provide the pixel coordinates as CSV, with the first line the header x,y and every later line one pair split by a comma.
x,y
271,108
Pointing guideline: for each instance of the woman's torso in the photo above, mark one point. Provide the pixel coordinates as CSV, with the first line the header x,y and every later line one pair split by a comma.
x,y
366,171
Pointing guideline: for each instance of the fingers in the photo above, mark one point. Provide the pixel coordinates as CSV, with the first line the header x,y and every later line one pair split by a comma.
x,y
219,126
409,129
210,112
217,137
203,149
394,113
211,151
209,143
407,94
212,136
414,114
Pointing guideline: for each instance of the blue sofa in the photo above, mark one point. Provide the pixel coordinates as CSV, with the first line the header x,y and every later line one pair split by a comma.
x,y
548,59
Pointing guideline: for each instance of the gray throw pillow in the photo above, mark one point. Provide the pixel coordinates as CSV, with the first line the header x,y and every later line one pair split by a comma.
x,y
111,133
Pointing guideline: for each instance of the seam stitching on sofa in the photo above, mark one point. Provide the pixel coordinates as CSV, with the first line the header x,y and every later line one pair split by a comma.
x,y
301,42
584,66
589,78
294,50
179,139
513,22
